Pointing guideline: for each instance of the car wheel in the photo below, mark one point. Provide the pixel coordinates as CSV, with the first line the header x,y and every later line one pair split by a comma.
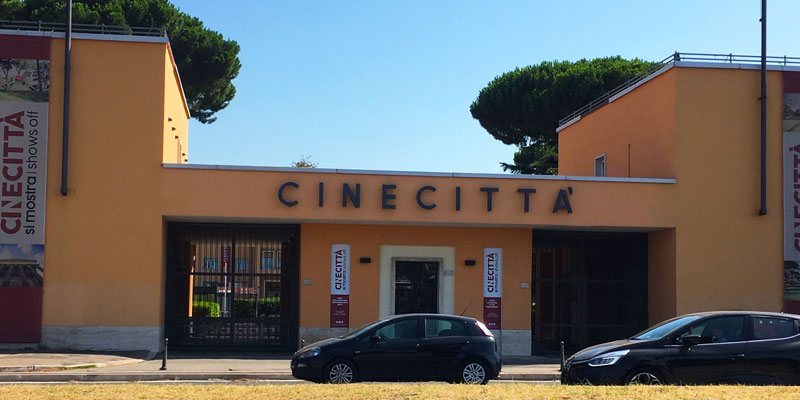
x,y
644,377
340,371
473,373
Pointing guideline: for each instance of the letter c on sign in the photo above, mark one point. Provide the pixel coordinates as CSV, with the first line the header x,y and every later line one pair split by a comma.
x,y
422,204
283,199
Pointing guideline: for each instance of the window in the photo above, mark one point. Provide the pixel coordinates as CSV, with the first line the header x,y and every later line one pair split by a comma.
x,y
210,263
242,264
400,330
438,327
717,330
270,260
600,165
773,328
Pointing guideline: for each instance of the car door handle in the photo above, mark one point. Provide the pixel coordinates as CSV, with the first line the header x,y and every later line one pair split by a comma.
x,y
737,356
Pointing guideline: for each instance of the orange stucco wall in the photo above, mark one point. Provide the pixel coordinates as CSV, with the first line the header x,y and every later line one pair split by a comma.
x,y
176,115
636,133
365,241
218,194
661,281
728,257
103,250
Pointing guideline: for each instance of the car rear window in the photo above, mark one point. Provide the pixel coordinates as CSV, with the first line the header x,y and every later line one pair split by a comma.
x,y
773,328
440,327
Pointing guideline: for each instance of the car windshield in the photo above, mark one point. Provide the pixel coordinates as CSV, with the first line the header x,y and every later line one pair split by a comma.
x,y
361,330
662,329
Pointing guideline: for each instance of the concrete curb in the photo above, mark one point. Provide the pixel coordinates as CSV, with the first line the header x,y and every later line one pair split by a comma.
x,y
10,377
39,367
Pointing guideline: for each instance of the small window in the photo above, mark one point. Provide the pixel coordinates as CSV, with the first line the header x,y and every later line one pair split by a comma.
x,y
439,327
210,263
271,260
242,264
600,165
773,328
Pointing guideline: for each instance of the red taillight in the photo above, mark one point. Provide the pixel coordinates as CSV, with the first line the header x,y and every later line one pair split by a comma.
x,y
484,329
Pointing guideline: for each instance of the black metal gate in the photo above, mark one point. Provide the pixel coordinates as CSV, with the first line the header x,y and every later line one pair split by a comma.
x,y
589,288
232,286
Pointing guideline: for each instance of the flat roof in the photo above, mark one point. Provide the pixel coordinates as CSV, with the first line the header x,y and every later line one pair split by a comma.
x,y
683,60
415,173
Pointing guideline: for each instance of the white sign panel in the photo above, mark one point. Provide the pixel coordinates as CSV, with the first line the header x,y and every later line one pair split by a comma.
x,y
340,269
492,272
23,172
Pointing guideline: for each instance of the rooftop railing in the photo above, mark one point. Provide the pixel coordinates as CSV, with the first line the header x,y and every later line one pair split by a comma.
x,y
101,29
676,57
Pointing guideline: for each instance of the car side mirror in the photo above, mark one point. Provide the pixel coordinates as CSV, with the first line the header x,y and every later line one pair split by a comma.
x,y
374,339
691,340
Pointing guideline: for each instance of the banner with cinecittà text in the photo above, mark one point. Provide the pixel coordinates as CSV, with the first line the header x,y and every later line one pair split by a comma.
x,y
340,286
492,287
791,192
24,97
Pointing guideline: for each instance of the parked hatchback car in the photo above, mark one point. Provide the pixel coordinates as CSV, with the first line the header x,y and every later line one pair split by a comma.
x,y
401,348
712,347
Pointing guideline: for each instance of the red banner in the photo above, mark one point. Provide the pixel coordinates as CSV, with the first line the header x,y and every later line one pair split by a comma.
x,y
340,310
791,192
491,312
24,98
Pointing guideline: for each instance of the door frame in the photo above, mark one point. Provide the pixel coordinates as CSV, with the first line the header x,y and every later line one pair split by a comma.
x,y
446,256
439,275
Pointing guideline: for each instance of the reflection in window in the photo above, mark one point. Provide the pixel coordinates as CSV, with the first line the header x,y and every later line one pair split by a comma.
x,y
400,330
717,330
242,264
271,260
773,328
435,327
210,263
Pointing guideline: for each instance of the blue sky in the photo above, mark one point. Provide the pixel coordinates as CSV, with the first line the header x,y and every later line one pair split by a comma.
x,y
387,85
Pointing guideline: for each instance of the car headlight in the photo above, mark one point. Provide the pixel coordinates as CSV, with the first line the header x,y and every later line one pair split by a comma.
x,y
608,358
312,352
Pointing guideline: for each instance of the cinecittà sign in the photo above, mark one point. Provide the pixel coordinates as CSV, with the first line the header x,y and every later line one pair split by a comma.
x,y
425,198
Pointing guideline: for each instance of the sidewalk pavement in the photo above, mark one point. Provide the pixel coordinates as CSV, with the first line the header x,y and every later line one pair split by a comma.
x,y
135,366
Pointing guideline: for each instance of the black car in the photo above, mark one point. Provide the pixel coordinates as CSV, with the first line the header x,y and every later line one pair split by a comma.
x,y
713,347
401,348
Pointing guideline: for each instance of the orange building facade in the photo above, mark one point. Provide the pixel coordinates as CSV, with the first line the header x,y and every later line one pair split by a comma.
x,y
145,245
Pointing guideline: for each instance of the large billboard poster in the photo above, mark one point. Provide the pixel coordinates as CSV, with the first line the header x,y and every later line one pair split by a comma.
x,y
791,192
492,287
24,95
340,286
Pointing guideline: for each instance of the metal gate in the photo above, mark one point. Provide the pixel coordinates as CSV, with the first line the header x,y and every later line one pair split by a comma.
x,y
232,286
589,288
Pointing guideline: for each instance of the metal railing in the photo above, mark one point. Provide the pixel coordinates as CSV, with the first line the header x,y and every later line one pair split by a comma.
x,y
676,57
101,29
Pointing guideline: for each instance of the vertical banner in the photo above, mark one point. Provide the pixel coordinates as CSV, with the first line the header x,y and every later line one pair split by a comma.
x,y
24,96
226,263
791,192
340,286
492,287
